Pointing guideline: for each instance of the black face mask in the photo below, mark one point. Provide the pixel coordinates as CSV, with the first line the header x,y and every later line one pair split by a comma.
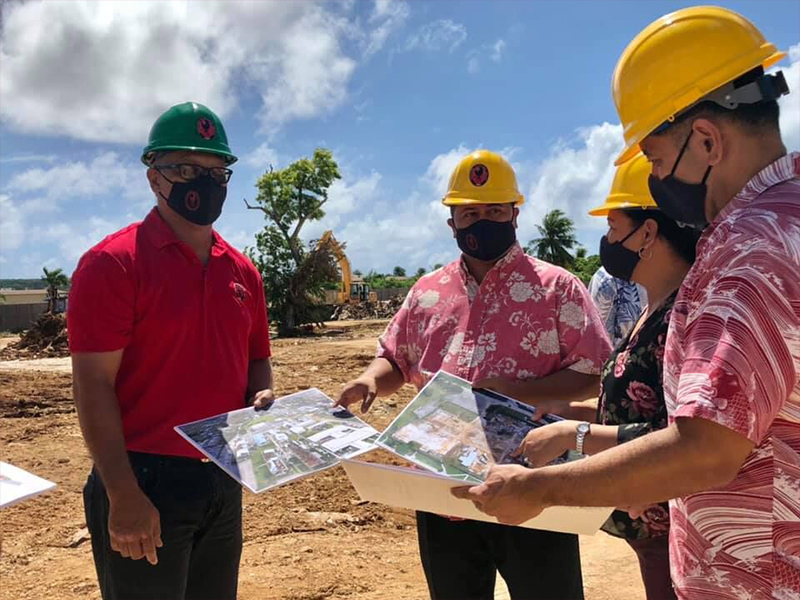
x,y
486,240
198,201
617,259
681,201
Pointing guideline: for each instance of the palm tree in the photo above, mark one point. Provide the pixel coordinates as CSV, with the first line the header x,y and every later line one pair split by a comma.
x,y
55,280
557,239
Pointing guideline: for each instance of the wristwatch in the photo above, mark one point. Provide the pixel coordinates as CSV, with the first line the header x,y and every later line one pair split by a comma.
x,y
583,431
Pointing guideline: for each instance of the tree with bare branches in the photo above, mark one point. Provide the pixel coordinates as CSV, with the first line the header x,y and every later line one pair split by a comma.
x,y
294,275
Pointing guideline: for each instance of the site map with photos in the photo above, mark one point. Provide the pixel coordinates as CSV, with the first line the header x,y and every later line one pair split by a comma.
x,y
452,429
298,435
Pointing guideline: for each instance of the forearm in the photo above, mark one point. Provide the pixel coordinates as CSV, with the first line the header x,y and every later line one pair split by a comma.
x,y
388,377
580,411
259,376
600,438
673,462
100,421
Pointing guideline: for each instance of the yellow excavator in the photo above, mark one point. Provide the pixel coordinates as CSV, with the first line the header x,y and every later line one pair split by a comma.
x,y
353,289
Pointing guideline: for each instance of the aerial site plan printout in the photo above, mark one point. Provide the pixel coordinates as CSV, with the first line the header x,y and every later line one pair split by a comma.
x,y
452,429
298,435
456,433
17,485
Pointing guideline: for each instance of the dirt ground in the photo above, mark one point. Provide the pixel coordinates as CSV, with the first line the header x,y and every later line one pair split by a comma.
x,y
309,540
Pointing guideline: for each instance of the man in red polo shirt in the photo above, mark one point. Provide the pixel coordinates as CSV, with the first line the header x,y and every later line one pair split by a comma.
x,y
167,324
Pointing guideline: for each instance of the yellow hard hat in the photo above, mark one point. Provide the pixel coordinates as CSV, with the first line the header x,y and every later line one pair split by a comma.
x,y
679,60
629,189
483,177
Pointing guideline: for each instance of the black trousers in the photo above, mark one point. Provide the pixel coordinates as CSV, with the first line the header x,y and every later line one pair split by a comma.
x,y
201,527
653,555
461,559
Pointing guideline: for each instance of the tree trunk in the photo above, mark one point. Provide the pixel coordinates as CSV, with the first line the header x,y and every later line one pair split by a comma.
x,y
287,325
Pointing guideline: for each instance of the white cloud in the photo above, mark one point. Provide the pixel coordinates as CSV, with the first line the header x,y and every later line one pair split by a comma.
x,y
493,51
12,225
497,50
262,157
76,179
387,17
103,71
442,34
790,105
573,178
73,239
21,158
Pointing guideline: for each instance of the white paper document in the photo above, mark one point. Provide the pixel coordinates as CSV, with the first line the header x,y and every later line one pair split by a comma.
x,y
300,434
428,492
17,485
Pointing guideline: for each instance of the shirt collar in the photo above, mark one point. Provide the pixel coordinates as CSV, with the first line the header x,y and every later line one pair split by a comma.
x,y
505,265
161,235
785,168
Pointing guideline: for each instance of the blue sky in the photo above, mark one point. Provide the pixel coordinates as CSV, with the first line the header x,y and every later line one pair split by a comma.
x,y
398,90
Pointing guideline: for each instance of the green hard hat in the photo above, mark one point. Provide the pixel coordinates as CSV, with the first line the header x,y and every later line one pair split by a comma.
x,y
188,126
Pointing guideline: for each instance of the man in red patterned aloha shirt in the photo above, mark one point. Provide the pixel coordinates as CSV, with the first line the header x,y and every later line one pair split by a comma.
x,y
693,94
493,313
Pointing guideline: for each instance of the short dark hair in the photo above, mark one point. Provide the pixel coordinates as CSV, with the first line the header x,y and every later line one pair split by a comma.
x,y
683,240
758,118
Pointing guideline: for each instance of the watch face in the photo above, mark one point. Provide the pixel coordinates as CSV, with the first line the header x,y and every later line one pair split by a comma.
x,y
583,428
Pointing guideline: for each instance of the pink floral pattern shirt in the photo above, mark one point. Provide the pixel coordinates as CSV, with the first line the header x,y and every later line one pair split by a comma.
x,y
733,357
526,320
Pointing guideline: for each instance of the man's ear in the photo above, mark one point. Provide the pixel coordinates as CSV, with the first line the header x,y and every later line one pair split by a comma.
x,y
152,178
452,225
709,137
515,217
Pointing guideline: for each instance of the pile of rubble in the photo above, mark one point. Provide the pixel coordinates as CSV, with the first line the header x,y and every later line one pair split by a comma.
x,y
46,339
383,309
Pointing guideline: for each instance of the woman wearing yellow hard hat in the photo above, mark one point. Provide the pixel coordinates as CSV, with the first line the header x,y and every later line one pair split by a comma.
x,y
693,93
646,247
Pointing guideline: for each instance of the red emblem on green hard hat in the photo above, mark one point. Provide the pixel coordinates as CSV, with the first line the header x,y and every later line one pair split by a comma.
x,y
478,175
206,128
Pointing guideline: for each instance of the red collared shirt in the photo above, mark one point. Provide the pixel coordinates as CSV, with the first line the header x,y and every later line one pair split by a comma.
x,y
733,357
526,320
188,331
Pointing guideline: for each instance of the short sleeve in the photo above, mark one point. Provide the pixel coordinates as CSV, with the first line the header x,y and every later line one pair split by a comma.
x,y
583,340
259,343
101,304
393,344
738,369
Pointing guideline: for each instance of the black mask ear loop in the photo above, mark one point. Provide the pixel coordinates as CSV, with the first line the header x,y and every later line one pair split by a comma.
x,y
680,155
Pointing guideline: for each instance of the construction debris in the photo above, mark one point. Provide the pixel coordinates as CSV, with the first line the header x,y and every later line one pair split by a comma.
x,y
382,309
46,339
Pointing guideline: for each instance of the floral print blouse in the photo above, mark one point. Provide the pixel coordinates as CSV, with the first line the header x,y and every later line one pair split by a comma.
x,y
632,396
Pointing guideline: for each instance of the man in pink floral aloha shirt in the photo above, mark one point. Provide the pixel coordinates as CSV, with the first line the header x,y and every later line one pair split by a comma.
x,y
494,312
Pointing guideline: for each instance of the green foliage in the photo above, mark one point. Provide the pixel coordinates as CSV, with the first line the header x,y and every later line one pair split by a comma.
x,y
54,280
295,277
379,281
23,284
584,266
557,233
399,272
420,272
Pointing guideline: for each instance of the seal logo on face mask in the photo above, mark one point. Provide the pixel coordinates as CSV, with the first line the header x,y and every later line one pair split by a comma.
x,y
478,175
192,200
472,242
206,128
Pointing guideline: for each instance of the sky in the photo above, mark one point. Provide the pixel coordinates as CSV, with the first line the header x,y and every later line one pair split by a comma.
x,y
398,90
